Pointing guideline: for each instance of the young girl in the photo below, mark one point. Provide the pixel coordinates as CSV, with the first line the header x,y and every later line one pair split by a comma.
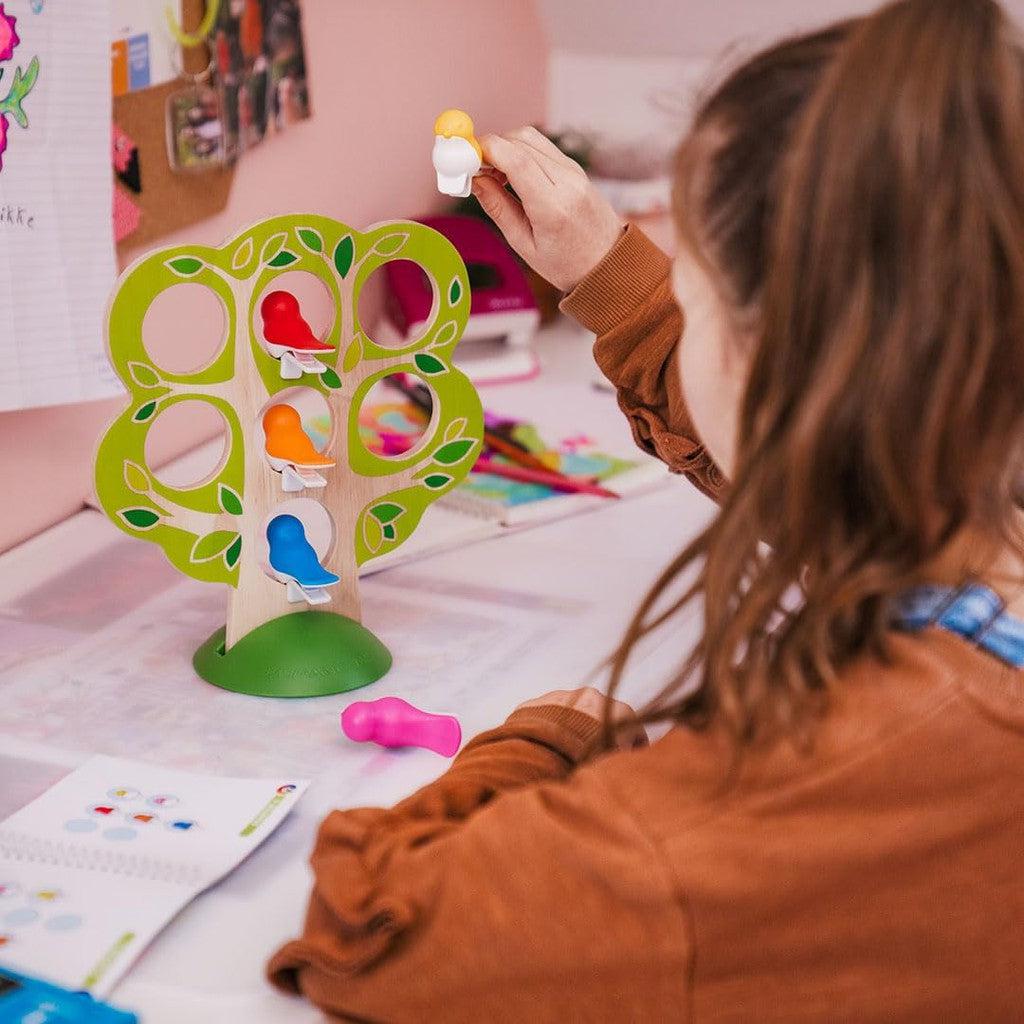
x,y
832,829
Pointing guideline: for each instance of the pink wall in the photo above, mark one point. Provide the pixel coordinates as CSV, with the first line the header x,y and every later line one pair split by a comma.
x,y
380,73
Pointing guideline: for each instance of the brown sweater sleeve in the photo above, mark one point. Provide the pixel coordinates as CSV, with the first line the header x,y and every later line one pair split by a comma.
x,y
456,904
626,300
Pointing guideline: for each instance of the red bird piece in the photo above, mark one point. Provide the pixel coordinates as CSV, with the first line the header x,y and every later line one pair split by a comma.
x,y
284,329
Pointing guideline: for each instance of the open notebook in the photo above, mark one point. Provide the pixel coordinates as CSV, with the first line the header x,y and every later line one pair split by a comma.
x,y
94,868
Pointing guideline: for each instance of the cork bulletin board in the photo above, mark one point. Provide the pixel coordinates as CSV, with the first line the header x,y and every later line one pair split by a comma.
x,y
169,199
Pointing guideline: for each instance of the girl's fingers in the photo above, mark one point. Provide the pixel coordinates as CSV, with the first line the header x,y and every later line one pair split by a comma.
x,y
506,211
538,141
492,172
519,163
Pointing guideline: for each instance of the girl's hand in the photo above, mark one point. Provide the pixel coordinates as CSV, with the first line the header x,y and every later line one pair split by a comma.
x,y
591,702
560,224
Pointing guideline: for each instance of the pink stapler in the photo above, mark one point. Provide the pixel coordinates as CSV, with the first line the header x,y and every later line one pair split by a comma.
x,y
503,318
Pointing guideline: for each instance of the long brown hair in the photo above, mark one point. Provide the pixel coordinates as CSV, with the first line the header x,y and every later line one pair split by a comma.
x,y
860,195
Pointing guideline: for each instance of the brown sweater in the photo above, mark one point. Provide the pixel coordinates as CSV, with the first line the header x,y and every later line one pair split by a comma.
x,y
875,879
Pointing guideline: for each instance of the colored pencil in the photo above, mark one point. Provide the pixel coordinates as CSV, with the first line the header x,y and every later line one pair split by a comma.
x,y
546,478
507,446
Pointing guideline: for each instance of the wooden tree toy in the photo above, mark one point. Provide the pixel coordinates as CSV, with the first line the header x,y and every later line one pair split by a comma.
x,y
293,621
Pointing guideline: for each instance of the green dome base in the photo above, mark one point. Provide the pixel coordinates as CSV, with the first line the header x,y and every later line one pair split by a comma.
x,y
304,654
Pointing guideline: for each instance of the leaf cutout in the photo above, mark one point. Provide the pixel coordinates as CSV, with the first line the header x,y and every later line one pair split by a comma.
x,y
143,374
272,247
454,292
437,480
139,518
229,500
389,531
373,535
390,244
353,354
209,547
144,412
453,451
185,266
386,511
285,258
428,364
455,428
344,253
446,335
243,254
136,479
311,239
331,379
233,553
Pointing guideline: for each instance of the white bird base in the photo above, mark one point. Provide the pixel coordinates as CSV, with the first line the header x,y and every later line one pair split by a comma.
x,y
296,478
295,364
311,595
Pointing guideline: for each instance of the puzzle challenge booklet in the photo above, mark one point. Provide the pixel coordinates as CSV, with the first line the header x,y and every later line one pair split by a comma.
x,y
94,868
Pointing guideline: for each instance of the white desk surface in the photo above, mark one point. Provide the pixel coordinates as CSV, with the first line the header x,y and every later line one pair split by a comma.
x,y
97,633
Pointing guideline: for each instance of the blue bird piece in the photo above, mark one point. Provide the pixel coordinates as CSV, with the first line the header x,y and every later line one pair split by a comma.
x,y
292,556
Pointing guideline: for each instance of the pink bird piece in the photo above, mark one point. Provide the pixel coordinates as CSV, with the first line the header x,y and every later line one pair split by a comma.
x,y
393,722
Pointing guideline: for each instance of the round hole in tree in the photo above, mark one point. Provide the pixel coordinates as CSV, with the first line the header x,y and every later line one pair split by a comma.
x,y
397,416
185,328
188,441
317,526
397,303
294,310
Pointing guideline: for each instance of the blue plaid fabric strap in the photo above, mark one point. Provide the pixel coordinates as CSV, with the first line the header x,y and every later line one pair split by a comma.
x,y
974,612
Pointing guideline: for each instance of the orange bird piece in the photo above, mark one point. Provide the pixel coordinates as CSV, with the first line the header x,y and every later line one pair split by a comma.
x,y
287,443
284,329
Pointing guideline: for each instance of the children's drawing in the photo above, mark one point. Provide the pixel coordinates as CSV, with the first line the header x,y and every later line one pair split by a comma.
x,y
21,85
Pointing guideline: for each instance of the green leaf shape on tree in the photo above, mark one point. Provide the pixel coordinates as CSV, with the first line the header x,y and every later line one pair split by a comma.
x,y
285,258
243,256
272,246
454,451
331,379
353,354
229,500
233,553
437,480
144,412
143,374
428,364
344,253
446,335
186,266
212,545
386,511
136,479
373,534
389,531
140,518
456,428
454,292
311,239
388,245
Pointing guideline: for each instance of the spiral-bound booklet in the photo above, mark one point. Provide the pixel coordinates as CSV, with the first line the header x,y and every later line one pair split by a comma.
x,y
93,869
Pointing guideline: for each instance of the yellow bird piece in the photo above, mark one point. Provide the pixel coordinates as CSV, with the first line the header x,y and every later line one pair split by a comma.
x,y
457,124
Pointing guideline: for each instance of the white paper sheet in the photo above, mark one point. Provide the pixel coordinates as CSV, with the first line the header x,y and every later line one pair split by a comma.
x,y
56,236
92,870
